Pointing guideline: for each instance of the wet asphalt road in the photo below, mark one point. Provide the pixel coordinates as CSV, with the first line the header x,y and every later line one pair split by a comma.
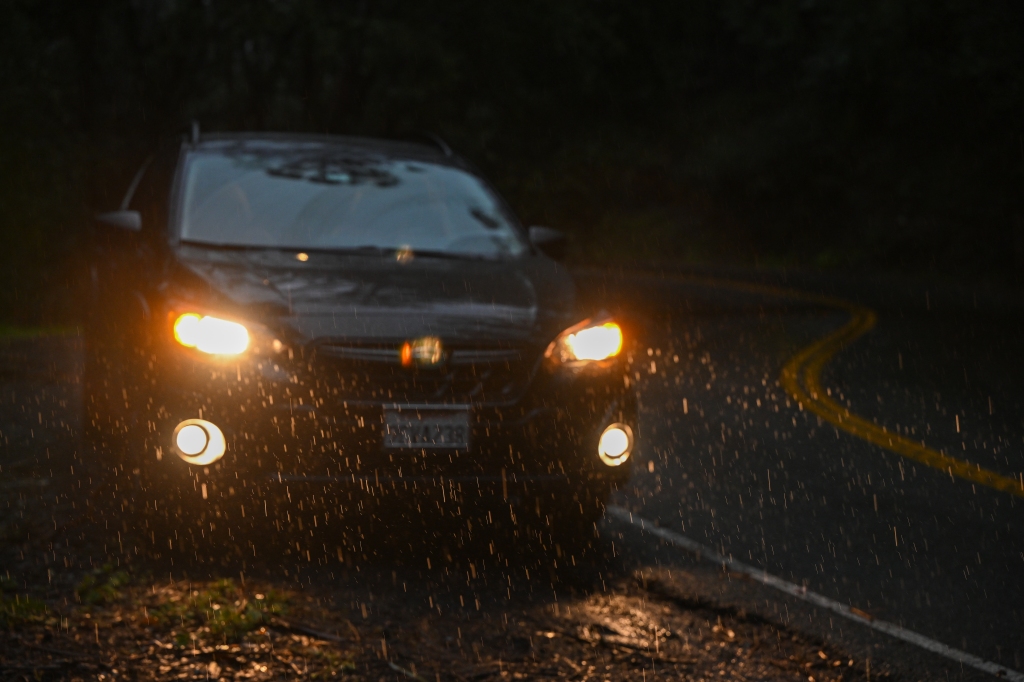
x,y
729,461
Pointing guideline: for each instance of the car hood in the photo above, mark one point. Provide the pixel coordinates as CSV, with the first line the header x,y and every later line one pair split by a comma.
x,y
378,298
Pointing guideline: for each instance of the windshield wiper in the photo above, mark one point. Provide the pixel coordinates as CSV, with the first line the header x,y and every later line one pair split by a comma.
x,y
363,250
276,247
452,255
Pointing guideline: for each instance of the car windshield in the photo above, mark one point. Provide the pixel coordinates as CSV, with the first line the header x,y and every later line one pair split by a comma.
x,y
340,198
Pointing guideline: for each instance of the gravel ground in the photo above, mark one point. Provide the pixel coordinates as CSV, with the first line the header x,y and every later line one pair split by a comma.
x,y
63,620
113,626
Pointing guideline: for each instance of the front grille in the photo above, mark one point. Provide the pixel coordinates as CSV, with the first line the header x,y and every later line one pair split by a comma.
x,y
373,372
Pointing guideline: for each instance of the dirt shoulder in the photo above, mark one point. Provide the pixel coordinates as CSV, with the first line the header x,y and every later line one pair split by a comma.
x,y
113,626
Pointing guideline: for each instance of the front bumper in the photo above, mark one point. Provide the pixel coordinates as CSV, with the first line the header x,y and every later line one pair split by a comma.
x,y
288,429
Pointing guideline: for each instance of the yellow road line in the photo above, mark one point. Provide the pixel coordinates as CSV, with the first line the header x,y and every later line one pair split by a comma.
x,y
801,377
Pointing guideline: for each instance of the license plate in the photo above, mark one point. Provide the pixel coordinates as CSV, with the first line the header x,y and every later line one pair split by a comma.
x,y
426,429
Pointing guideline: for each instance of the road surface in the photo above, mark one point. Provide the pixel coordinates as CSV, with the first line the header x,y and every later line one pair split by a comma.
x,y
730,458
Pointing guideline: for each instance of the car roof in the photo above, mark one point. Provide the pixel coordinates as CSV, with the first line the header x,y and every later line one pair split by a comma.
x,y
433,150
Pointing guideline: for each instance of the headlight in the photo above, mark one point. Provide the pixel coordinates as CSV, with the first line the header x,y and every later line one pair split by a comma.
x,y
587,342
210,334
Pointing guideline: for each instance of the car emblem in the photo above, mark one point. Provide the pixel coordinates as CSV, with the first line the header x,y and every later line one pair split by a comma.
x,y
424,352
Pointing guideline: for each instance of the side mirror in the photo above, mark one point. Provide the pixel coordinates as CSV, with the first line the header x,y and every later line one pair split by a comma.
x,y
125,220
551,242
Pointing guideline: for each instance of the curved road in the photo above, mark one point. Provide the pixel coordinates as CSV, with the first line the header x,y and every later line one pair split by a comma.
x,y
731,460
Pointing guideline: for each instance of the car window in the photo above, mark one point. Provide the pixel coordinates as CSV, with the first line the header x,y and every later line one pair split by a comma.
x,y
341,199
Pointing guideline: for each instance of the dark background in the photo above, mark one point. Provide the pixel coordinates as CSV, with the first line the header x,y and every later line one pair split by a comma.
x,y
864,135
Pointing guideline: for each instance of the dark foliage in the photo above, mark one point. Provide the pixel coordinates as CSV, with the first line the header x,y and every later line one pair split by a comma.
x,y
865,133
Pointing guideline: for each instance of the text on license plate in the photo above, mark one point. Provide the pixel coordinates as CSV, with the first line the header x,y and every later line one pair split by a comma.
x,y
426,429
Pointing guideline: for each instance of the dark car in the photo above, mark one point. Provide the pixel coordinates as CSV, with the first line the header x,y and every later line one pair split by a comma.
x,y
293,330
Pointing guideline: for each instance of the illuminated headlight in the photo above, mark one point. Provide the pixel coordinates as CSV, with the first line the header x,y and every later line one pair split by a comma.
x,y
210,334
587,342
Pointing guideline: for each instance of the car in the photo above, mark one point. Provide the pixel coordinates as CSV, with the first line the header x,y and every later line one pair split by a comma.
x,y
288,331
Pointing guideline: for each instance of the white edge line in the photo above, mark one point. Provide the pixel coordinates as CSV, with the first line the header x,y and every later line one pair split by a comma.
x,y
709,554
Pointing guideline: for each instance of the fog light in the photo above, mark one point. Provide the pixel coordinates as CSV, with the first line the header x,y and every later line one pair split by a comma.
x,y
616,444
199,442
192,439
